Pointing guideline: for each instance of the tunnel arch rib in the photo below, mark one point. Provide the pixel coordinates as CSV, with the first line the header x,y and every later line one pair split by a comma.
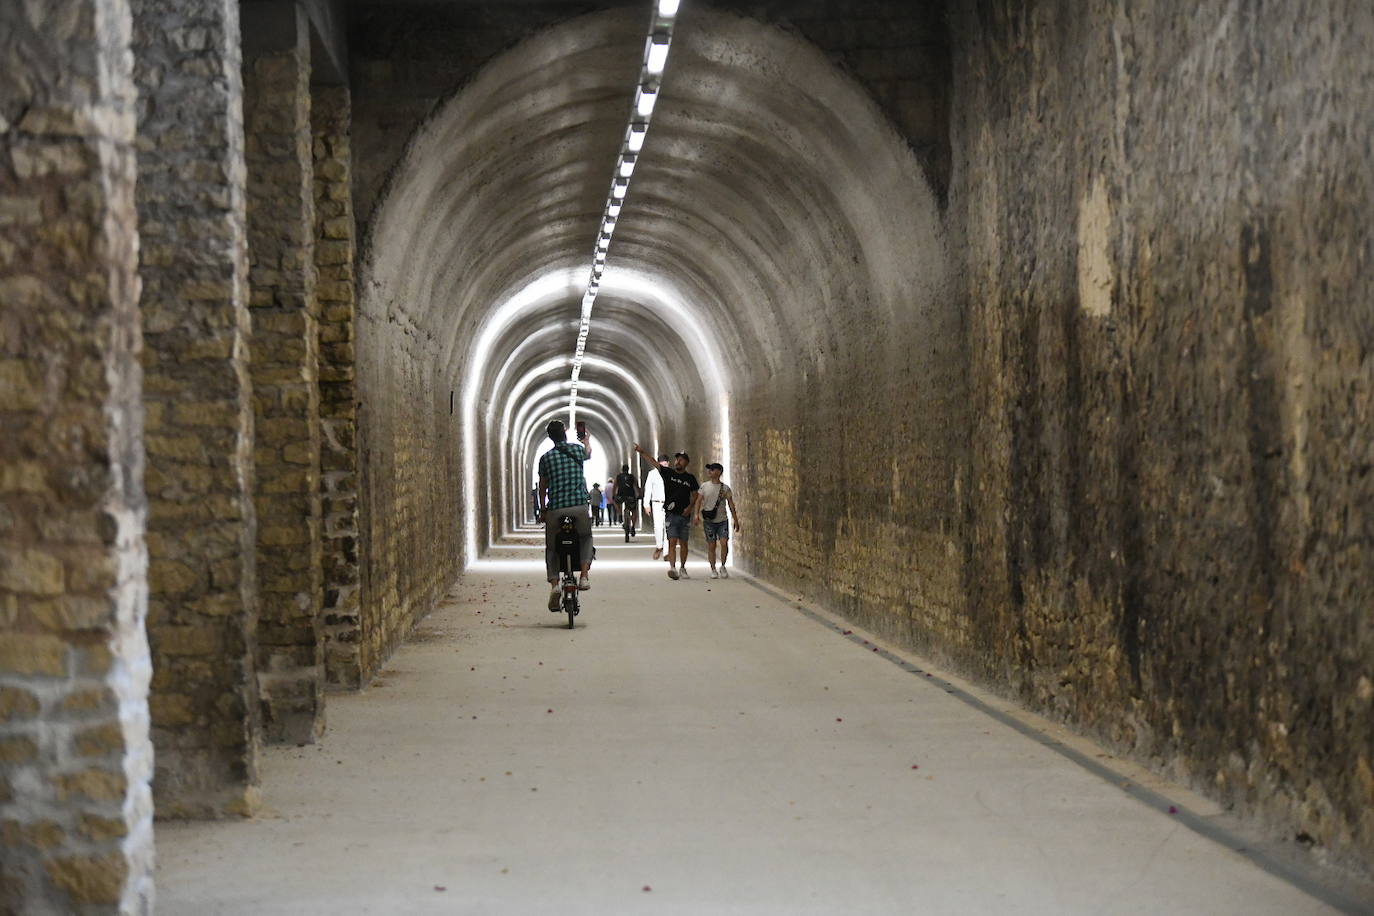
x,y
774,211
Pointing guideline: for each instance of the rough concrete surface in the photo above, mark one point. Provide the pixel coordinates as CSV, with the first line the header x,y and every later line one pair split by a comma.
x,y
691,747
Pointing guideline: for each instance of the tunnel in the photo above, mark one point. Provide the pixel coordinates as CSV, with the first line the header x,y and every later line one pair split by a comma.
x,y
1033,338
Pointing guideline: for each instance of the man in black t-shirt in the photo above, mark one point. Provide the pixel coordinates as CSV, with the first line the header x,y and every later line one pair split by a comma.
x,y
680,499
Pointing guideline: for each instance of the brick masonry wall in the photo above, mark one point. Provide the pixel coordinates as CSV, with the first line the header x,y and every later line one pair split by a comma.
x,y
410,480
285,355
75,757
202,603
1167,223
334,259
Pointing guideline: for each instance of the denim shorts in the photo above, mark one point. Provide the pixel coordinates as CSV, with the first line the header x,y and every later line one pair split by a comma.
x,y
717,531
677,527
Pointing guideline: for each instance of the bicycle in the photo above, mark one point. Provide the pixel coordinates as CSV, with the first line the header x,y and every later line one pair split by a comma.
x,y
627,511
568,547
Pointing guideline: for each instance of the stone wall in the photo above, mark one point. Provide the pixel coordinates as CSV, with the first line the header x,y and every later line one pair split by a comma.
x,y
1167,223
202,603
334,256
285,376
410,483
75,757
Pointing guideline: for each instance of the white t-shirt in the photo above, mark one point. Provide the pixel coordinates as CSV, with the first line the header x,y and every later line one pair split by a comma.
x,y
711,493
653,487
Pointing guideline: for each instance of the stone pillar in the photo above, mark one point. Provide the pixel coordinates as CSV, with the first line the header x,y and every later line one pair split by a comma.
x,y
202,591
285,358
75,758
334,251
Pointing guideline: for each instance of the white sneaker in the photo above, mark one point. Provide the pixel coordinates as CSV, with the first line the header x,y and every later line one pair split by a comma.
x,y
683,573
672,572
583,585
724,573
714,574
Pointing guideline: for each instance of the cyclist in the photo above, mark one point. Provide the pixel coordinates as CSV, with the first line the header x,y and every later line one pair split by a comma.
x,y
626,493
563,493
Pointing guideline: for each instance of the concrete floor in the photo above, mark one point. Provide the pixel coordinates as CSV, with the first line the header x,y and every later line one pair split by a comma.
x,y
692,747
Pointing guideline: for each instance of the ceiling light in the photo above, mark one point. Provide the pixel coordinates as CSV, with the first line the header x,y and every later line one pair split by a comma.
x,y
635,141
667,8
627,166
645,104
619,188
614,208
657,58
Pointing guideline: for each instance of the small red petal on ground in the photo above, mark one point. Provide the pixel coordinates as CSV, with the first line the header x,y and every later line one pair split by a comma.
x,y
839,720
550,710
875,648
647,888
438,887
915,767
1173,810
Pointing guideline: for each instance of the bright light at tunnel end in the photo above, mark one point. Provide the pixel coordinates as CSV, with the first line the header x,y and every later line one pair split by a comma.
x,y
652,66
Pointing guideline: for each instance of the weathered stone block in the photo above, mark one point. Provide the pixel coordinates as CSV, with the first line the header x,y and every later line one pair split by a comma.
x,y
91,879
17,704
28,653
31,572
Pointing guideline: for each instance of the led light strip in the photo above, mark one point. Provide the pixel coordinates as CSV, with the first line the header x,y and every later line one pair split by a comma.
x,y
646,95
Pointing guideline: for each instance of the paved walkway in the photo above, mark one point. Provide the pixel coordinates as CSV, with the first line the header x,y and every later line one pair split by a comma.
x,y
691,748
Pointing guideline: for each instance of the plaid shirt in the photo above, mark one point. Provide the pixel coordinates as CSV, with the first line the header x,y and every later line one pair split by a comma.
x,y
561,468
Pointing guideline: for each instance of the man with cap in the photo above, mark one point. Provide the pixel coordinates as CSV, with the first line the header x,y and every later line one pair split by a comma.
x,y
679,506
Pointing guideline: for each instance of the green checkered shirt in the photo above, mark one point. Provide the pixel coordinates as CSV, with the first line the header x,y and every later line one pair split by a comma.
x,y
561,468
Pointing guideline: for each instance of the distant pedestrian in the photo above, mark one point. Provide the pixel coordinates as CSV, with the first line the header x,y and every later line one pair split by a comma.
x,y
680,499
612,511
713,499
597,504
653,504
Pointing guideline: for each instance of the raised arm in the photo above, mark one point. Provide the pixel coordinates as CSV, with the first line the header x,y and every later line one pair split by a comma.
x,y
653,462
585,438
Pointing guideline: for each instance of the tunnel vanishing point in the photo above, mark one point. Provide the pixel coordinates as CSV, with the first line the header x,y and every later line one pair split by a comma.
x,y
1038,335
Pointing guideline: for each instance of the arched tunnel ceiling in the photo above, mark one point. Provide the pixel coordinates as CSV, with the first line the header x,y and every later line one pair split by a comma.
x,y
770,188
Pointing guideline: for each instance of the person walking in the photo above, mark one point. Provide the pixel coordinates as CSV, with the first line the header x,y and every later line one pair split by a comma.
x,y
612,510
562,493
597,502
680,498
653,504
625,492
712,500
